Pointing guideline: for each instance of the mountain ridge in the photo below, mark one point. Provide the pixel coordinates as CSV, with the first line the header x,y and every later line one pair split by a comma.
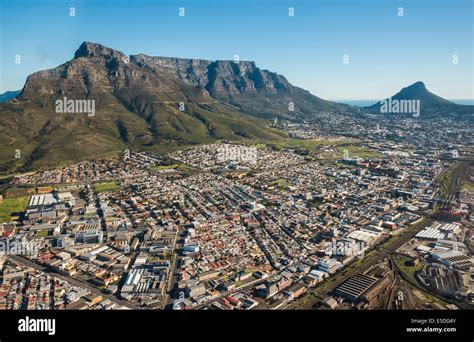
x,y
144,102
154,103
431,104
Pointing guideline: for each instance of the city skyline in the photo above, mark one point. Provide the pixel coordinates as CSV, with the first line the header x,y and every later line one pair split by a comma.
x,y
418,46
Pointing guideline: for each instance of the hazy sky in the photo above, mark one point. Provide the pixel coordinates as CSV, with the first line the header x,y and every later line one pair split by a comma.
x,y
386,51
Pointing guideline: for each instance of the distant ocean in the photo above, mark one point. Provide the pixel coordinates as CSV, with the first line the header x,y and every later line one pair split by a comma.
x,y
464,102
358,103
366,103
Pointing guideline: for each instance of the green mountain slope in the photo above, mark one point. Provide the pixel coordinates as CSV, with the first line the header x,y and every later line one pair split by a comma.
x,y
143,102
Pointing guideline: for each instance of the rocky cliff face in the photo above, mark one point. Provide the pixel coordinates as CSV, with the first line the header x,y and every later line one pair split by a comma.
x,y
189,71
93,50
138,105
221,79
96,68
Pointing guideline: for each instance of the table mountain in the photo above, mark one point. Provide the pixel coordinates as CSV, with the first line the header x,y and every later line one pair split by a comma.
x,y
143,102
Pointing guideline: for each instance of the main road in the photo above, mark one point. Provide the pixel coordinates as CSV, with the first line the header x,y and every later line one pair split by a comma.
x,y
27,262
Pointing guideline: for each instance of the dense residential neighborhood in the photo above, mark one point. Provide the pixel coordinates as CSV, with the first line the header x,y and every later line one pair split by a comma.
x,y
252,226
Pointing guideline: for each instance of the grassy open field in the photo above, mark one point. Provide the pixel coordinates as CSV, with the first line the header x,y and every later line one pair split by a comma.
x,y
468,186
338,146
281,183
107,186
18,192
358,151
456,178
178,167
410,271
10,206
292,143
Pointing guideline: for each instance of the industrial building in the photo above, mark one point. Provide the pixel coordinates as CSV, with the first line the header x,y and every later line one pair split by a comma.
x,y
353,288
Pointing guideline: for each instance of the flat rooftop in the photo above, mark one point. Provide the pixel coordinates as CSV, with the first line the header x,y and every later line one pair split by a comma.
x,y
356,286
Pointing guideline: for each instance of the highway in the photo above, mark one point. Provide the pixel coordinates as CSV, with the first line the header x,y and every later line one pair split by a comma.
x,y
76,282
172,285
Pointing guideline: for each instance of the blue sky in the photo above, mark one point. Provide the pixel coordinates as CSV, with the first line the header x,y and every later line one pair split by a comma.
x,y
386,52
